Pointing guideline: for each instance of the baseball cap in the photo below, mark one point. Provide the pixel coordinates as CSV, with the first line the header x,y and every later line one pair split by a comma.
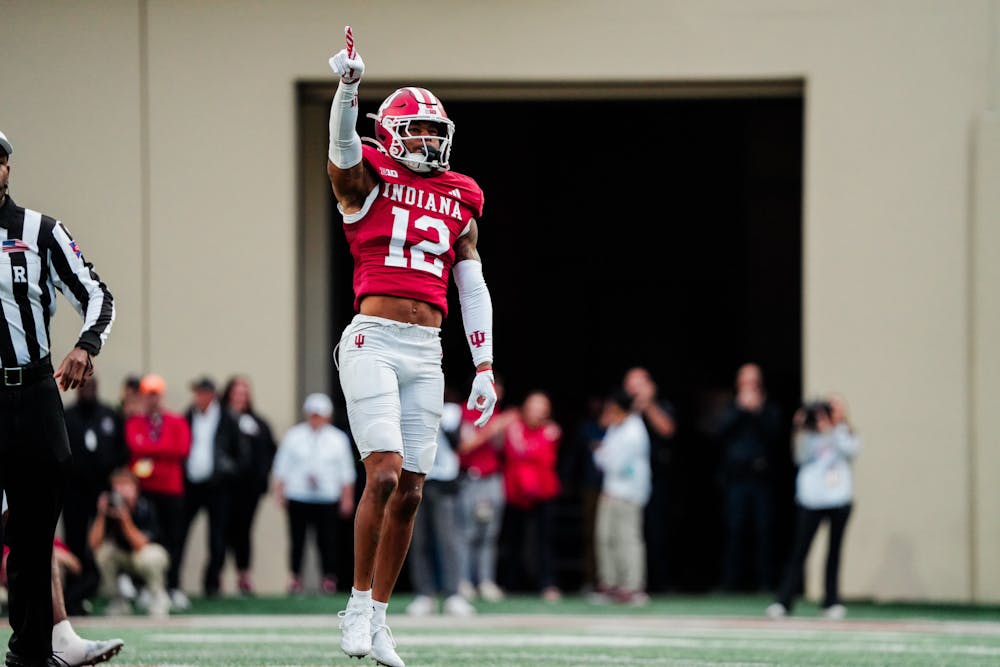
x,y
318,404
204,383
5,144
152,384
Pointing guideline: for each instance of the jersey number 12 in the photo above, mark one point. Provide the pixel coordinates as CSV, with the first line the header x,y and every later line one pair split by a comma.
x,y
419,252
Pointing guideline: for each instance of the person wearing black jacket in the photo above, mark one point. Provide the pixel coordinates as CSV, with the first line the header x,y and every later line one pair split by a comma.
x,y
216,456
253,479
750,435
97,440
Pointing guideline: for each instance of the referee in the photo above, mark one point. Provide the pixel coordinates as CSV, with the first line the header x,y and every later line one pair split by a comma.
x,y
38,256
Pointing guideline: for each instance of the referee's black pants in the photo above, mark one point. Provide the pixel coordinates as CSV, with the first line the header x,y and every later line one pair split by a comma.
x,y
34,463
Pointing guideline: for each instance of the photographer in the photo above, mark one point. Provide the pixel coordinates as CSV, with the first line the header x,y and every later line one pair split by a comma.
x,y
749,434
122,538
824,446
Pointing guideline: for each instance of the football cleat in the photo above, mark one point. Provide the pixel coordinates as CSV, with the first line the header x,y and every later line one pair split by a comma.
x,y
356,629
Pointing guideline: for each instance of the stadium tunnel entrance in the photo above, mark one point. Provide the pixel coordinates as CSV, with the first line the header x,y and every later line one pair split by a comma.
x,y
656,225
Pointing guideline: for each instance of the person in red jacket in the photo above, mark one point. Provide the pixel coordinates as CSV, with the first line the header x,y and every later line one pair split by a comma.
x,y
159,441
531,483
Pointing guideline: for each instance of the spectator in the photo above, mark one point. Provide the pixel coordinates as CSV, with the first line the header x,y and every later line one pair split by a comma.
x,y
252,481
825,446
587,476
97,441
314,479
131,400
210,470
531,484
159,441
436,546
69,648
623,456
481,500
658,416
124,538
749,434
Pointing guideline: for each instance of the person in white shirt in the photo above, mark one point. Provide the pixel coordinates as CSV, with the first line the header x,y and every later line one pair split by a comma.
x,y
825,447
623,457
218,452
313,479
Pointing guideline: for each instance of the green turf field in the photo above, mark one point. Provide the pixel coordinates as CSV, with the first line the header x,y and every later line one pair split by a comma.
x,y
525,632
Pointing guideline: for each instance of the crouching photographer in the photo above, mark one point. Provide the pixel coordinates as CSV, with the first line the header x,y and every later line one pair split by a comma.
x,y
824,446
123,539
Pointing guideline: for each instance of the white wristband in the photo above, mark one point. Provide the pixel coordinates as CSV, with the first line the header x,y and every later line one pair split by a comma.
x,y
477,309
345,143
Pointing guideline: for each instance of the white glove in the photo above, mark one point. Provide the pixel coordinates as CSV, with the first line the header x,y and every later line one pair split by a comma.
x,y
349,69
483,390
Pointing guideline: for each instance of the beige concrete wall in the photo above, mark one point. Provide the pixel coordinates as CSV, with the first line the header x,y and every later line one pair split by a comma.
x,y
893,90
985,359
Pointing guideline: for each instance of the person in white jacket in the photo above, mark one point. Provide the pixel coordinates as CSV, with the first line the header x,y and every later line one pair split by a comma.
x,y
623,457
825,446
313,477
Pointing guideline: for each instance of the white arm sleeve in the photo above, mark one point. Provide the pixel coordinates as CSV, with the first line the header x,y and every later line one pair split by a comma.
x,y
345,144
477,309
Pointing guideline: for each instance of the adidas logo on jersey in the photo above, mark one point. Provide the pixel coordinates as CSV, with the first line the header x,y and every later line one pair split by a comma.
x,y
456,194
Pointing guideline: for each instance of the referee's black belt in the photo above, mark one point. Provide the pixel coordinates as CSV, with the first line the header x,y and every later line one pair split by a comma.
x,y
19,376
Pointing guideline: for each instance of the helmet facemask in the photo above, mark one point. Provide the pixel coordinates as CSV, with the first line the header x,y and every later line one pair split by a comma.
x,y
392,129
426,157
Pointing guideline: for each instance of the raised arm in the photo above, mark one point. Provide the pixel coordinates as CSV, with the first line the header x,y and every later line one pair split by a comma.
x,y
351,180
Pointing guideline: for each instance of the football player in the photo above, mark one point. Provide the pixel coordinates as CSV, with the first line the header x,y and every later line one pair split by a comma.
x,y
411,224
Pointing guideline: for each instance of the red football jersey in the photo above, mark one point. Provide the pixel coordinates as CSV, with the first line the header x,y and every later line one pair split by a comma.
x,y
403,238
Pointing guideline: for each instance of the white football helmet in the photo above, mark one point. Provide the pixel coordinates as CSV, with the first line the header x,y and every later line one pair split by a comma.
x,y
392,127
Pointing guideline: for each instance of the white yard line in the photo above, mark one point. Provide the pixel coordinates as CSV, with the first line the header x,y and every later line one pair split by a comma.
x,y
673,625
765,642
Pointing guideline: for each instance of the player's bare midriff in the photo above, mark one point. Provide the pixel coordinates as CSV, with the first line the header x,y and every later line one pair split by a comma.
x,y
411,311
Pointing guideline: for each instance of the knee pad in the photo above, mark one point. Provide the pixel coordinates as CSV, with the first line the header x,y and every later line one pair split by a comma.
x,y
382,437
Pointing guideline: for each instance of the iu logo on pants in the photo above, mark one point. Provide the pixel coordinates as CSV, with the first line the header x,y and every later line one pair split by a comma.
x,y
359,340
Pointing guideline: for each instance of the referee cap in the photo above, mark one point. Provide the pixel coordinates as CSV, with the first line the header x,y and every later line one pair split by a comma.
x,y
5,144
318,404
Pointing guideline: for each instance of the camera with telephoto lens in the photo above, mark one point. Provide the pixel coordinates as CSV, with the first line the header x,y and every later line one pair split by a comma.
x,y
115,500
812,411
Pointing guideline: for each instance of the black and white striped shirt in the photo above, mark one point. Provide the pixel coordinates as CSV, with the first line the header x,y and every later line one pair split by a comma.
x,y
38,256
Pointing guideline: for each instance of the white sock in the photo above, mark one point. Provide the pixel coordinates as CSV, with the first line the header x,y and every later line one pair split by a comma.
x,y
380,611
63,633
360,597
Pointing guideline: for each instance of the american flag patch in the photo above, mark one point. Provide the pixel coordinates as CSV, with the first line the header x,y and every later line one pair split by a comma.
x,y
75,248
15,245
